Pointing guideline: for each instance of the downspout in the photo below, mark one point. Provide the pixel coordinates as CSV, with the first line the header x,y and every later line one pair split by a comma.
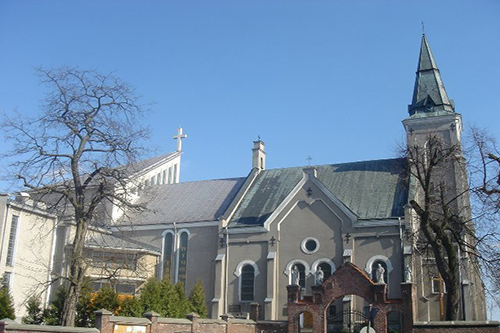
x,y
462,303
51,264
176,277
226,273
402,250
278,270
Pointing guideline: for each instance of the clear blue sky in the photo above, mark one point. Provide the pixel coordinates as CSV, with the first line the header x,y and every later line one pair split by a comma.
x,y
326,79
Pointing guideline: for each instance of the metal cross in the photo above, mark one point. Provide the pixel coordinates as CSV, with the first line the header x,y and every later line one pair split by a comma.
x,y
347,238
179,138
309,159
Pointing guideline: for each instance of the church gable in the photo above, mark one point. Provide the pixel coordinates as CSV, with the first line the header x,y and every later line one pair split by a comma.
x,y
370,190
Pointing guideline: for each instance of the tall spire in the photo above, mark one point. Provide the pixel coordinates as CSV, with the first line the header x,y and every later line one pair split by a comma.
x,y
429,94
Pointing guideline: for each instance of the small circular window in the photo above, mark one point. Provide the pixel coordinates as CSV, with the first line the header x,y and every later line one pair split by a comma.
x,y
309,245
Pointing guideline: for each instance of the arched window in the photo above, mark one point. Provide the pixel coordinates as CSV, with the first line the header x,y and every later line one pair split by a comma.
x,y
170,175
247,283
326,268
182,255
303,269
372,264
168,250
175,174
302,274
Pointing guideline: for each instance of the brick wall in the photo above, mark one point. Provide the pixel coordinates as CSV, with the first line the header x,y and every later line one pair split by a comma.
x,y
457,327
153,323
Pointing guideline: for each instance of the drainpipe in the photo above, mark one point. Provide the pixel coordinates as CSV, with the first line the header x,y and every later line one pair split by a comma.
x,y
226,274
51,265
461,282
176,276
402,250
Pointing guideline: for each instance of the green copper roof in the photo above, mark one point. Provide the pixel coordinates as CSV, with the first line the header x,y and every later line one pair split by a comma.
x,y
429,94
371,190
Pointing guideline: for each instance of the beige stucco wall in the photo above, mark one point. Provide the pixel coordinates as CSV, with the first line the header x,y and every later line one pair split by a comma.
x,y
32,252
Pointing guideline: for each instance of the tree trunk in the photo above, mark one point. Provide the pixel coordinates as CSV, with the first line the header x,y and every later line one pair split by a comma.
x,y
76,273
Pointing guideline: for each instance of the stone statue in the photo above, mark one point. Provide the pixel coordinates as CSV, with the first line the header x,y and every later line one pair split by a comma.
x,y
295,276
407,273
319,276
380,274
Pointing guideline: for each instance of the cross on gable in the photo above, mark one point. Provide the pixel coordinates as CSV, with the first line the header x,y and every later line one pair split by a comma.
x,y
179,138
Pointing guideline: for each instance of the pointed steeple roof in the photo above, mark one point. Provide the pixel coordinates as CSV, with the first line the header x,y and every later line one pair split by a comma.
x,y
429,94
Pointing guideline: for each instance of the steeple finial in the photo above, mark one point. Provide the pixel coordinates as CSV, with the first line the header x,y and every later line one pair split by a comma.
x,y
429,94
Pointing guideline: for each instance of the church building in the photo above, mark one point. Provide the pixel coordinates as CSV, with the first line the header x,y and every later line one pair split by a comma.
x,y
248,238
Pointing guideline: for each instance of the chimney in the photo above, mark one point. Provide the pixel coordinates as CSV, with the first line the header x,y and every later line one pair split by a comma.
x,y
258,155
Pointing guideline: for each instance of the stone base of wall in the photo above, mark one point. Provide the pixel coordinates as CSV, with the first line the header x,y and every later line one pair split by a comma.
x,y
457,327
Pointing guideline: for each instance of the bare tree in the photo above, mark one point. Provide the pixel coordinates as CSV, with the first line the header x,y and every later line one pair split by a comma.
x,y
484,165
69,155
444,219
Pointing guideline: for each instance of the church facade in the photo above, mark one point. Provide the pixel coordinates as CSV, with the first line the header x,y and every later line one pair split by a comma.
x,y
249,238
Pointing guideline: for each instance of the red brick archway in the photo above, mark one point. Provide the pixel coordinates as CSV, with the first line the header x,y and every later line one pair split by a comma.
x,y
348,279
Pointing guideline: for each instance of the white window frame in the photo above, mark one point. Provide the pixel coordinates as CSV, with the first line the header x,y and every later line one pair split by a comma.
x,y
237,272
435,287
164,234
388,264
316,263
304,242
13,250
288,270
176,249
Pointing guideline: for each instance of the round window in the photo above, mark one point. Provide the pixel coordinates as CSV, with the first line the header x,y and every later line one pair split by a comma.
x,y
310,245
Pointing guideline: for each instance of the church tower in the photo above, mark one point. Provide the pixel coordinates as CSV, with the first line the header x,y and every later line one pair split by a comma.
x,y
433,122
431,111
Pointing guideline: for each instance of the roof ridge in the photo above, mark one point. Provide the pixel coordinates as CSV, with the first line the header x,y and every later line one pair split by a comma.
x,y
204,181
337,164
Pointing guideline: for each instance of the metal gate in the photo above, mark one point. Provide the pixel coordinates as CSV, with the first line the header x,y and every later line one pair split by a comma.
x,y
347,321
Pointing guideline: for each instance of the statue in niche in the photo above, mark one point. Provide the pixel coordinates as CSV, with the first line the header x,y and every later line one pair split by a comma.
x,y
379,274
295,276
407,273
319,276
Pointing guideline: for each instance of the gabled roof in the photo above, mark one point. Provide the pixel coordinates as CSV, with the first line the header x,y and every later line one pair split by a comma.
x,y
371,190
429,94
148,164
115,241
186,202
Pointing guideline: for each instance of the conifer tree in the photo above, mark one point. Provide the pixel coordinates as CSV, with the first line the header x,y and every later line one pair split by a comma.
x,y
182,307
107,299
197,300
53,315
6,304
169,299
34,312
131,307
150,298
